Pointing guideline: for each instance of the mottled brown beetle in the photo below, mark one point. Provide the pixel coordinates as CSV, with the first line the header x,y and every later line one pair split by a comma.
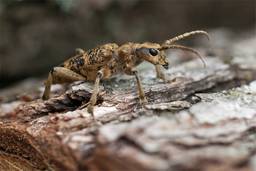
x,y
110,59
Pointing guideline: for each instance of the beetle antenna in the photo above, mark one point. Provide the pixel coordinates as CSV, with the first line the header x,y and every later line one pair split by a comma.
x,y
186,35
186,49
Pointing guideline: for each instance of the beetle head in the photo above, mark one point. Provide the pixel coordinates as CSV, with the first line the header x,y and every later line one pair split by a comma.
x,y
151,52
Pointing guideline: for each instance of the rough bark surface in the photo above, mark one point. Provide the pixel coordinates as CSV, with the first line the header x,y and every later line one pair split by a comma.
x,y
204,119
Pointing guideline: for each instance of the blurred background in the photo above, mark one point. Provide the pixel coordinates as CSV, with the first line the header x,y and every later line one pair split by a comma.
x,y
36,35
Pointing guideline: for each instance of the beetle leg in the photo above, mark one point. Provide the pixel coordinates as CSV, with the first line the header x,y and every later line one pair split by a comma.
x,y
142,96
60,75
131,71
159,72
47,88
79,51
95,92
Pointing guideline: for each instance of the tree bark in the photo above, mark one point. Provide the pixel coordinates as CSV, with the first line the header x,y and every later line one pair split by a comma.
x,y
197,121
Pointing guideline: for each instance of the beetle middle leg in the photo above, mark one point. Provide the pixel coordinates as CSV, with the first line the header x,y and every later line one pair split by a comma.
x,y
142,96
131,71
95,92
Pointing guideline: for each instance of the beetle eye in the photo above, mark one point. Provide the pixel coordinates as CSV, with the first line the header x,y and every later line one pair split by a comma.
x,y
153,52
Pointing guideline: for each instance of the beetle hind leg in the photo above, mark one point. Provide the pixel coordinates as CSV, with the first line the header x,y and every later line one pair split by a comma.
x,y
47,88
60,75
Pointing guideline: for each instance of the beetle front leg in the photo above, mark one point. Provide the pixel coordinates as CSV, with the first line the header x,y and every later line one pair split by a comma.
x,y
159,73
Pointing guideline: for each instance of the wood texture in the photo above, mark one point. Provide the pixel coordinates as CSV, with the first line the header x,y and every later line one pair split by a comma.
x,y
197,121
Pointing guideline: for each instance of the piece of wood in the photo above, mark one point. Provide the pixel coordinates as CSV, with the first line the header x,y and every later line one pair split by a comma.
x,y
58,135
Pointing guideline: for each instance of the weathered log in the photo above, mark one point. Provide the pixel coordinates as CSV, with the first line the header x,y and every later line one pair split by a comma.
x,y
174,132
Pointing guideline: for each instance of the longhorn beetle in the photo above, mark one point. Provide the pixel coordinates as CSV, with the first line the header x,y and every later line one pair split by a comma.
x,y
109,59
